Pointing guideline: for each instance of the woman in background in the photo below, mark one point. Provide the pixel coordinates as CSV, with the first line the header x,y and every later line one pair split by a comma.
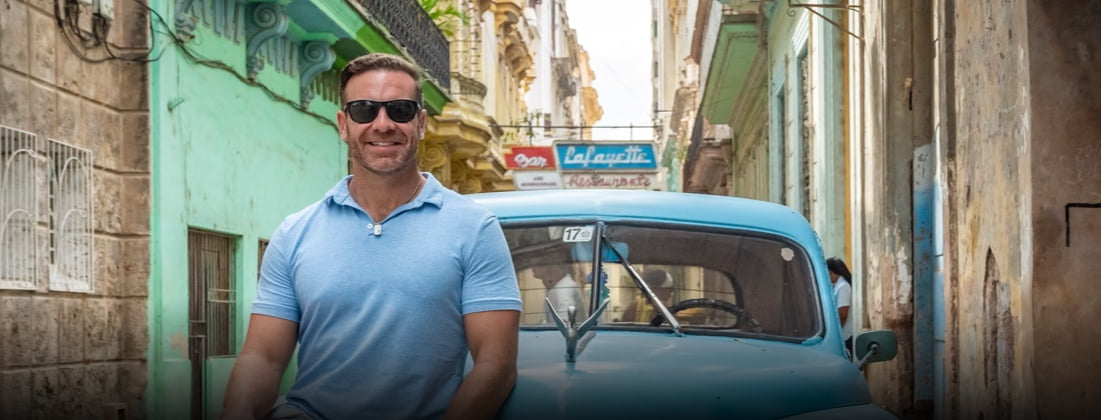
x,y
842,295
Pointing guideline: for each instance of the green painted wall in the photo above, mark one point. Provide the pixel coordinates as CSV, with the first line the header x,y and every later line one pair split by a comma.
x,y
226,158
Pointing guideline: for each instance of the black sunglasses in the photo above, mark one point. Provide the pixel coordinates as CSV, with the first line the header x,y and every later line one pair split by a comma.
x,y
399,110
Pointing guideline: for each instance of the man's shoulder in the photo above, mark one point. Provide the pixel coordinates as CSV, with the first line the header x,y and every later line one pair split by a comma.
x,y
459,205
296,222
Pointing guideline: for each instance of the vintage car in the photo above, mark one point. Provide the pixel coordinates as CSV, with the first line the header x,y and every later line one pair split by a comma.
x,y
703,307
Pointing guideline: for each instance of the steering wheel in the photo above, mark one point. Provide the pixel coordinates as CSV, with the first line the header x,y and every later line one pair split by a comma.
x,y
743,317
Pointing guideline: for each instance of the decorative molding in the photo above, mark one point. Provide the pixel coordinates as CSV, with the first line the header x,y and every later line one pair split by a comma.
x,y
282,53
471,185
266,21
316,57
433,156
469,86
226,18
507,14
327,85
185,20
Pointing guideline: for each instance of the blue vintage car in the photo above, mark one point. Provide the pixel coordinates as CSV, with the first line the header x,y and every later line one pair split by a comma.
x,y
702,307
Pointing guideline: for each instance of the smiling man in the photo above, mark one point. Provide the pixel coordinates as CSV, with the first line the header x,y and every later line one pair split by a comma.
x,y
385,284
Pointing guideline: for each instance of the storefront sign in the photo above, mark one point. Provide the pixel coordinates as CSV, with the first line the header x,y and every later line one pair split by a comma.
x,y
536,180
590,156
530,158
612,180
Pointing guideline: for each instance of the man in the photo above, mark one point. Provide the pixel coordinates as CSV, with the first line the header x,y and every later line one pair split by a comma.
x,y
562,291
640,310
385,283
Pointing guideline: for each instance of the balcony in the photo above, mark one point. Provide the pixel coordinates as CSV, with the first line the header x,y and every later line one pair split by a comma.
x,y
565,76
470,91
415,32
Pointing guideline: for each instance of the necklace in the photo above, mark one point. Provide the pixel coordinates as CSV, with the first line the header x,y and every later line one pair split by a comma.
x,y
420,184
376,228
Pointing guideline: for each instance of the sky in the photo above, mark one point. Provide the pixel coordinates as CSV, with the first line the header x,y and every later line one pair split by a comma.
x,y
616,34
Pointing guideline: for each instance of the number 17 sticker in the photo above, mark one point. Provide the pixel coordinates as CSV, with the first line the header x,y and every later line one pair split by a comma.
x,y
577,234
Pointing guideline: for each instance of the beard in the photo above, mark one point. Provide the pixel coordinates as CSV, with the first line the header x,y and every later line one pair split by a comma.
x,y
384,165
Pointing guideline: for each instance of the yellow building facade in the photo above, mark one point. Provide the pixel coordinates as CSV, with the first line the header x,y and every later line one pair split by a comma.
x,y
491,69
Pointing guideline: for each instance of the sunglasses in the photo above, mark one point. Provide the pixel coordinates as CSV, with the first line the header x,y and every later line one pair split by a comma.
x,y
399,110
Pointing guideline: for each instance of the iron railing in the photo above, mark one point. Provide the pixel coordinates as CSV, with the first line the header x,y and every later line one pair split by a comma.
x,y
411,27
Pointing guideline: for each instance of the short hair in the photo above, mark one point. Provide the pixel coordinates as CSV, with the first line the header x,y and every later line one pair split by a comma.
x,y
658,278
379,61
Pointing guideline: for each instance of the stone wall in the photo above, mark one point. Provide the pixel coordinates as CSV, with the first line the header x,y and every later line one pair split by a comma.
x,y
70,355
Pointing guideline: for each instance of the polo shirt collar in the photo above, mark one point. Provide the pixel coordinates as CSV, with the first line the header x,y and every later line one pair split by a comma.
x,y
432,193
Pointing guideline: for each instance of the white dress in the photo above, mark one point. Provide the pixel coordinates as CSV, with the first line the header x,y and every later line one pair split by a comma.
x,y
842,295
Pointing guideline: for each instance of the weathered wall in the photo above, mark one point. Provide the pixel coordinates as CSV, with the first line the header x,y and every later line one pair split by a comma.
x,y
890,136
1064,55
76,355
992,198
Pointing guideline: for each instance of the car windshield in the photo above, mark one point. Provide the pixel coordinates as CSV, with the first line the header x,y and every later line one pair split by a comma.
x,y
711,281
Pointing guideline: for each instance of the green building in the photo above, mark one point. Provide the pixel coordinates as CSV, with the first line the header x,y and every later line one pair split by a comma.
x,y
242,120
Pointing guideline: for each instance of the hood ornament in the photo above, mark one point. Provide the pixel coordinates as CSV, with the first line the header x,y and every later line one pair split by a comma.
x,y
577,336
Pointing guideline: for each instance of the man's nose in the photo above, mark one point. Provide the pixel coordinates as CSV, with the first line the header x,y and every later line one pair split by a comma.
x,y
383,122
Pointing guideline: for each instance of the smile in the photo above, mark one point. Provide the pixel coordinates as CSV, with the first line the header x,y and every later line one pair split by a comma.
x,y
382,143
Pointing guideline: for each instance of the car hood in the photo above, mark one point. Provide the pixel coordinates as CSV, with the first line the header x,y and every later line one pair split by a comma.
x,y
627,374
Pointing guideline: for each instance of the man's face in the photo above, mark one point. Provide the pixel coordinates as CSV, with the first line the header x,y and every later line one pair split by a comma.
x,y
663,294
550,274
382,146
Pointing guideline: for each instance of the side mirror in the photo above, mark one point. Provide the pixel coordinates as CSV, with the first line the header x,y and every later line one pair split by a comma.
x,y
875,346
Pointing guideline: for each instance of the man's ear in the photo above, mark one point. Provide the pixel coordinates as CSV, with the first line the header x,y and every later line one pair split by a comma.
x,y
341,127
422,125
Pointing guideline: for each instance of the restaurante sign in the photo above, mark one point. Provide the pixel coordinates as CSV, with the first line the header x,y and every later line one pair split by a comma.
x,y
612,180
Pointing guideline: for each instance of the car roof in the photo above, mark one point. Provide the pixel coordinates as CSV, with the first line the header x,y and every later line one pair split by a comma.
x,y
642,205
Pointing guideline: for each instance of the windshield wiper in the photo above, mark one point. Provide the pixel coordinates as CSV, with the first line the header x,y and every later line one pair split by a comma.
x,y
649,293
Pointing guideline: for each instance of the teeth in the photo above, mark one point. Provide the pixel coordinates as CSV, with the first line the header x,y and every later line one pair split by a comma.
x,y
382,144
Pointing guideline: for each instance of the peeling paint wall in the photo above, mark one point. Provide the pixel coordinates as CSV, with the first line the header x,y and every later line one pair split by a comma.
x,y
991,195
1064,53
890,135
1016,104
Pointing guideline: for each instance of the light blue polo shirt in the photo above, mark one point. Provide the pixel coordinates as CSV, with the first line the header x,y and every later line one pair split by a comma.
x,y
380,316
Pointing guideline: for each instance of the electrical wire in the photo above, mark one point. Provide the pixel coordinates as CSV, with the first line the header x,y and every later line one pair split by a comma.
x,y
194,58
68,23
61,25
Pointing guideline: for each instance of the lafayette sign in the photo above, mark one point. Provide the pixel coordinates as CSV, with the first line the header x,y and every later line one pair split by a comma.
x,y
589,156
612,180
530,158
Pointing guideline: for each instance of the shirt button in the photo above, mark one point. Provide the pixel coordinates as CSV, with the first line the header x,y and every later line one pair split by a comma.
x,y
370,226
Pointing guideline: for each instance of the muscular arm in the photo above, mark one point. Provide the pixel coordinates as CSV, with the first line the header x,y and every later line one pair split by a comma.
x,y
254,382
493,338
